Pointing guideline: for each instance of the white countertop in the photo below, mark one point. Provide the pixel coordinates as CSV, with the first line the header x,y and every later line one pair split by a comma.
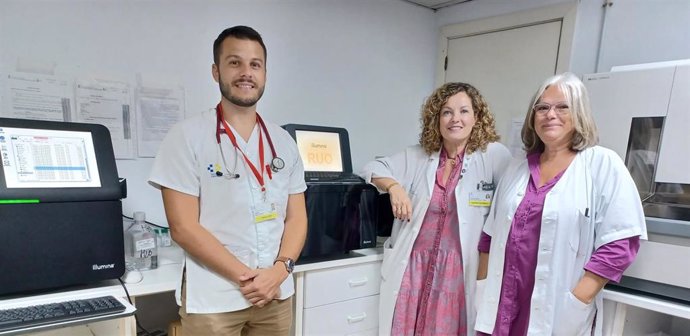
x,y
162,279
649,303
352,258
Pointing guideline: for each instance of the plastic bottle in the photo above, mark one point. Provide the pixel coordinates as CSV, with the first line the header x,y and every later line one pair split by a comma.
x,y
141,250
163,237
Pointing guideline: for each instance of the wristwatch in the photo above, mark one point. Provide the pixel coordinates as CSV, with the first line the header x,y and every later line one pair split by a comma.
x,y
289,263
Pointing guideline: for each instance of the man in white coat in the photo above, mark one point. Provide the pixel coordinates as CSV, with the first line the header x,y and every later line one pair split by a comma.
x,y
232,187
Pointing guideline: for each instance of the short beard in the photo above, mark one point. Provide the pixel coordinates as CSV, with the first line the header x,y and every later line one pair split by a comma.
x,y
248,102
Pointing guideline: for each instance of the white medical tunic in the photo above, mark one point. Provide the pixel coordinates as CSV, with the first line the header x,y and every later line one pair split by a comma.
x,y
595,202
188,161
415,170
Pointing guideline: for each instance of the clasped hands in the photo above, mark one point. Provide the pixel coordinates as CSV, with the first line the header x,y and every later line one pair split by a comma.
x,y
261,286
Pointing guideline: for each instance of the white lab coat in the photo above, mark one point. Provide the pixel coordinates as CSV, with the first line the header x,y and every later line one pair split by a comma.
x,y
415,170
187,161
595,202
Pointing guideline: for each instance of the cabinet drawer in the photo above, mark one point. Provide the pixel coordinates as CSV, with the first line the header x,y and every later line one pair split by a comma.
x,y
339,284
352,317
368,332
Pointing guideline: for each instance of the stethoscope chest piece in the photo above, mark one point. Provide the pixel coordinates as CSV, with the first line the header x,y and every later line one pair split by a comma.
x,y
277,164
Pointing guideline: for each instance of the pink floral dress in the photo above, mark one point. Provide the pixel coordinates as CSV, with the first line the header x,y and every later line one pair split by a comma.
x,y
431,299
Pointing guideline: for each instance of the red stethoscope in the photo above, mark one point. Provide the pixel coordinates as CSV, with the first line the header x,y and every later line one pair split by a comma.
x,y
276,163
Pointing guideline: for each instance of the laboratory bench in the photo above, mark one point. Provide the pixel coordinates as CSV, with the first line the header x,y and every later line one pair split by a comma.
x,y
363,264
333,297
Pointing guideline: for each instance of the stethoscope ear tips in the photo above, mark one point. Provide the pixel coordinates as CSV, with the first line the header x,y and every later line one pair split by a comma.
x,y
219,173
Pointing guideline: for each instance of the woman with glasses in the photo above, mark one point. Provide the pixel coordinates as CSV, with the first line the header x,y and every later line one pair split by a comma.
x,y
565,220
440,192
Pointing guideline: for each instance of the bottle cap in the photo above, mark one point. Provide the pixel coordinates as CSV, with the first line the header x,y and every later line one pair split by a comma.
x,y
139,216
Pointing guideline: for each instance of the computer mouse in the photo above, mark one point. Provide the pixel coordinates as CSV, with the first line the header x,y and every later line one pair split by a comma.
x,y
132,276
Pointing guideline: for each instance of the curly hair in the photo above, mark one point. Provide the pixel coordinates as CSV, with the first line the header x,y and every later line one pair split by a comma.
x,y
483,131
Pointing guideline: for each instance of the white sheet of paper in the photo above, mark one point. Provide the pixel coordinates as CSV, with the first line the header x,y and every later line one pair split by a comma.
x,y
515,139
37,96
159,108
108,103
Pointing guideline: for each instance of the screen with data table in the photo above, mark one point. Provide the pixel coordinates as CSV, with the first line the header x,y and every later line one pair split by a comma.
x,y
39,158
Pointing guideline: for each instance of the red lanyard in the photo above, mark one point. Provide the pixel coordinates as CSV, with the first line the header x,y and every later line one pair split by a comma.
x,y
259,175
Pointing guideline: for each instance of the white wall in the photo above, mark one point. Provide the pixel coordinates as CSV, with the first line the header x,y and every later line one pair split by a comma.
x,y
628,32
640,31
365,65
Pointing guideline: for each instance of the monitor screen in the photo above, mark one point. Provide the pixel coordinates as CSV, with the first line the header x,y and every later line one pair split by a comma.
x,y
320,151
49,161
33,158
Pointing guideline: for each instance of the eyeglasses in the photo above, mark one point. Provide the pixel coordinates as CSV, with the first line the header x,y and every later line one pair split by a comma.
x,y
544,108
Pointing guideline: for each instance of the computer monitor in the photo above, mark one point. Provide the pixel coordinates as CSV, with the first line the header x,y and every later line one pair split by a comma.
x,y
322,149
42,158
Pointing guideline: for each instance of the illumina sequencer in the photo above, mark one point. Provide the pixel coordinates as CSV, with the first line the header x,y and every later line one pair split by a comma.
x,y
60,205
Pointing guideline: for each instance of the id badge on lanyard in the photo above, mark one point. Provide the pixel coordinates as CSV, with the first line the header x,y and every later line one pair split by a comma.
x,y
483,195
262,209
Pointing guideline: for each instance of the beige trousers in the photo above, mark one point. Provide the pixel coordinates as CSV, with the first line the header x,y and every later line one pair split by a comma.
x,y
274,318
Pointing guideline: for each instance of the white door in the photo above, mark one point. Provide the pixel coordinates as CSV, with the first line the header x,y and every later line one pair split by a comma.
x,y
506,58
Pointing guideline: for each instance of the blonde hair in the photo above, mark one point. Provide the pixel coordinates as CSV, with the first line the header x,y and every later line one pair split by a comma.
x,y
575,92
483,131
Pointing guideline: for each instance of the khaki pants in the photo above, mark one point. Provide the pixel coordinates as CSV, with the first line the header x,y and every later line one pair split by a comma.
x,y
274,318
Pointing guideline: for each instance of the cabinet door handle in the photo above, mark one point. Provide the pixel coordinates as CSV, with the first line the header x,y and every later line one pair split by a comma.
x,y
356,318
357,283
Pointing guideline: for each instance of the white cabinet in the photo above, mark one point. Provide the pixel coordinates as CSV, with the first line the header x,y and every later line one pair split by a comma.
x,y
340,284
339,300
342,318
342,300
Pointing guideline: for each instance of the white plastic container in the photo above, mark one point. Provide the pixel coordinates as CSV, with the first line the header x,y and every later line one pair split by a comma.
x,y
141,251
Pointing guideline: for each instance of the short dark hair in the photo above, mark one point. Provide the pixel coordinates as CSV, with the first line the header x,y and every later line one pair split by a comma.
x,y
238,32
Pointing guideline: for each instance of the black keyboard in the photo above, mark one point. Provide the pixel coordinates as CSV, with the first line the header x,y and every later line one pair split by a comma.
x,y
331,177
52,313
323,175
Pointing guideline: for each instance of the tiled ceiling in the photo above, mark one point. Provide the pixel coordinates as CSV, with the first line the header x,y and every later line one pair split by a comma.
x,y
436,4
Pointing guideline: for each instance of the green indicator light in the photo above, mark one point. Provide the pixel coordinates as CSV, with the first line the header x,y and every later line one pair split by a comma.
x,y
18,201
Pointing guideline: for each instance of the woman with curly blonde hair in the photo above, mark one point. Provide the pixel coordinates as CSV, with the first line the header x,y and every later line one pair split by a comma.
x,y
440,192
